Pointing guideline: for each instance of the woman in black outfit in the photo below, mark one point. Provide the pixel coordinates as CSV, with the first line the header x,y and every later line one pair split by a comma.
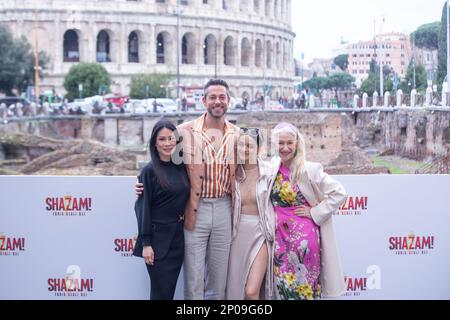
x,y
159,213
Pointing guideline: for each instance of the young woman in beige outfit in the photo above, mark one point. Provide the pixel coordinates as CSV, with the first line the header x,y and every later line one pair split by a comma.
x,y
249,270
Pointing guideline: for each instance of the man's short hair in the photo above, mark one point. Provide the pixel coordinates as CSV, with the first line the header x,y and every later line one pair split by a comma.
x,y
216,82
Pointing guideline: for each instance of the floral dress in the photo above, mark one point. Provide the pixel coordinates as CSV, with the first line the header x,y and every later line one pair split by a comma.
x,y
297,244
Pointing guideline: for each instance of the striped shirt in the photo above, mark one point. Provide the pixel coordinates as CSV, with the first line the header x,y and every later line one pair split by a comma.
x,y
216,183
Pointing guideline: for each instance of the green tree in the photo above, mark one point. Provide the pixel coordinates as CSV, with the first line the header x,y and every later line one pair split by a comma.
x,y
341,61
17,62
442,53
315,83
421,79
339,81
335,81
372,83
427,36
153,82
91,76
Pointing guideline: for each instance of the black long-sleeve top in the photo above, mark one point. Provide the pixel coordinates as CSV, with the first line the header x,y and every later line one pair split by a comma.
x,y
161,205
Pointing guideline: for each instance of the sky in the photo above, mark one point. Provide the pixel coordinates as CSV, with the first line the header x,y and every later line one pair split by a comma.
x,y
320,24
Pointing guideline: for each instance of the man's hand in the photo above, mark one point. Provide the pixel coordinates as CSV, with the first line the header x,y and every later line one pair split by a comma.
x,y
139,188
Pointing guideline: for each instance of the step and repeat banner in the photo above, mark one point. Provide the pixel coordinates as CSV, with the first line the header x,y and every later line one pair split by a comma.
x,y
72,238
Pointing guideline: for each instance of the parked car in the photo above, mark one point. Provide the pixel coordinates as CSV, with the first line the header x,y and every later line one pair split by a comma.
x,y
148,105
119,101
236,104
10,100
255,105
135,106
274,105
168,105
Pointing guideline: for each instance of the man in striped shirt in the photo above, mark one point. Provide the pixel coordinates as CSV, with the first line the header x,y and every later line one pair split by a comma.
x,y
209,152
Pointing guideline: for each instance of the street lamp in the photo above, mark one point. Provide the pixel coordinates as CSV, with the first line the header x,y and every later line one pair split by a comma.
x,y
301,66
178,51
207,54
80,90
36,59
414,59
381,63
448,43
215,58
147,87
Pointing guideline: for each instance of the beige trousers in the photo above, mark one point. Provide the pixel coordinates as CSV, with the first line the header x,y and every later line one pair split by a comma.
x,y
206,251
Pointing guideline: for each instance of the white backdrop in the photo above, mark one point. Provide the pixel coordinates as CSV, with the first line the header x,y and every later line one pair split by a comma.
x,y
72,238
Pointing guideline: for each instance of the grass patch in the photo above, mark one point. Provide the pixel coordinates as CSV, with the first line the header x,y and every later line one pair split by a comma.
x,y
380,162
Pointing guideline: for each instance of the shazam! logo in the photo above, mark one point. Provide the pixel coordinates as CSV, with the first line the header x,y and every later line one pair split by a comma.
x,y
357,285
353,206
72,284
11,246
68,205
411,244
125,246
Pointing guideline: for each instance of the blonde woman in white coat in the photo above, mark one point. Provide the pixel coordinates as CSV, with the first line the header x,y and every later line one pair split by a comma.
x,y
250,264
304,197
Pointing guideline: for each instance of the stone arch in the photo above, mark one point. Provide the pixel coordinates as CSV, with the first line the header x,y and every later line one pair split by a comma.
x,y
210,50
269,51
163,47
229,51
258,53
133,46
226,4
103,53
245,95
246,51
71,46
257,6
243,5
267,8
188,48
446,135
277,56
277,95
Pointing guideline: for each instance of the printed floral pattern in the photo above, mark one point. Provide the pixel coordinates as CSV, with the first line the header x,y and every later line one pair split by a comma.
x,y
297,244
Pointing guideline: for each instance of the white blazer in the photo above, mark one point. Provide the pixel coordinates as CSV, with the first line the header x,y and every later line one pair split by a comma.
x,y
266,217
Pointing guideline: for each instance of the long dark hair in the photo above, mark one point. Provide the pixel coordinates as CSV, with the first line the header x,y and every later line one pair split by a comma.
x,y
156,161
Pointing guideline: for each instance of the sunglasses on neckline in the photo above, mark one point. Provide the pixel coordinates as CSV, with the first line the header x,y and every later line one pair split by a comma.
x,y
252,131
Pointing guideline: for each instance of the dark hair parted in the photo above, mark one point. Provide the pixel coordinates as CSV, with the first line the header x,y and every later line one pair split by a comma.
x,y
156,160
216,82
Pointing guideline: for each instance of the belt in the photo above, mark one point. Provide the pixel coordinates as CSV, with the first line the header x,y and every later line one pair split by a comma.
x,y
227,197
180,219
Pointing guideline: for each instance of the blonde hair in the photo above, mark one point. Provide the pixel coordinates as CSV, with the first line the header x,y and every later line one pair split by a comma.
x,y
298,162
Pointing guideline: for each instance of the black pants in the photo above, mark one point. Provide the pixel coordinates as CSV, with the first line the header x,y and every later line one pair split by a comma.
x,y
164,272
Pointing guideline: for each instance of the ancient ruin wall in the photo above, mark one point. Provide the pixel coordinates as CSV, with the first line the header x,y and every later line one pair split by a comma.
x,y
417,134
414,134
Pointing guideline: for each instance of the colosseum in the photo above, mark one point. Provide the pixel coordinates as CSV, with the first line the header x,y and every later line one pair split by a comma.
x,y
247,42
